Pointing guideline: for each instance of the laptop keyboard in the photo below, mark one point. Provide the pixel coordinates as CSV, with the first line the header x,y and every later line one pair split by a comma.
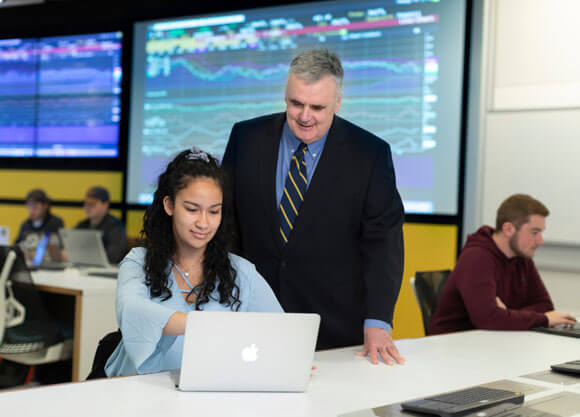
x,y
465,401
472,396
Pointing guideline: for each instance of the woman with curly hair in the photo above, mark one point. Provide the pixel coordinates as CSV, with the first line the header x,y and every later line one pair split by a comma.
x,y
184,265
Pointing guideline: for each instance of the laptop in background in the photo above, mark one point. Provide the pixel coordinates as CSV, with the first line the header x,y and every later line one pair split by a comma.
x,y
561,329
239,351
499,410
465,401
572,367
84,249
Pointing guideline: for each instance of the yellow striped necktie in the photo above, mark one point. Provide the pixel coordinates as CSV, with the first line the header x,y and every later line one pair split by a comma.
x,y
294,192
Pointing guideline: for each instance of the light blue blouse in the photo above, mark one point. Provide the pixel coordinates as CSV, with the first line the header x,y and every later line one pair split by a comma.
x,y
141,318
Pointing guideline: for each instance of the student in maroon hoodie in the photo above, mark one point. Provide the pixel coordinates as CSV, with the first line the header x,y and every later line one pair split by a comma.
x,y
495,284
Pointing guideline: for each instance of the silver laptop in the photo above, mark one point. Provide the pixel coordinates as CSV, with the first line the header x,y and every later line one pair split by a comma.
x,y
234,351
85,250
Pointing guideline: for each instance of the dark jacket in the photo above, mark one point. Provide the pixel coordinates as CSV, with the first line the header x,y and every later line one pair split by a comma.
x,y
50,224
344,257
114,236
483,272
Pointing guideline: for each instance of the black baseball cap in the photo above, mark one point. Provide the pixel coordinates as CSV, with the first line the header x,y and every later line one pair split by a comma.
x,y
100,193
38,196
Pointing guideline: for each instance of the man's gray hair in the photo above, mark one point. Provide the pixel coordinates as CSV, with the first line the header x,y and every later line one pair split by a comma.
x,y
315,64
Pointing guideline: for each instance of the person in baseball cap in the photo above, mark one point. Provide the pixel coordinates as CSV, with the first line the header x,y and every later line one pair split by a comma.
x,y
40,219
96,205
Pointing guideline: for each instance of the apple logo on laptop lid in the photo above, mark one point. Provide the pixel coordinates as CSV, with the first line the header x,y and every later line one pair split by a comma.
x,y
250,353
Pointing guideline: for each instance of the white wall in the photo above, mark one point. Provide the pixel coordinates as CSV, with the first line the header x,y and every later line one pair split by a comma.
x,y
524,126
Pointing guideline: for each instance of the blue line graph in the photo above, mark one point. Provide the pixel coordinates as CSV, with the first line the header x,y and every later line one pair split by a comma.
x,y
195,89
279,71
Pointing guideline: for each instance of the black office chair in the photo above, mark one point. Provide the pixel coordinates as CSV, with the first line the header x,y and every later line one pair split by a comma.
x,y
427,287
106,347
29,335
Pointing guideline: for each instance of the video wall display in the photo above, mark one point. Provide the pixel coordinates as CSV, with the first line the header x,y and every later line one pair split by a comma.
x,y
194,77
61,96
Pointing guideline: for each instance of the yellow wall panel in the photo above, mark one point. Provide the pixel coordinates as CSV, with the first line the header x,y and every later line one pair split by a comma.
x,y
134,222
59,185
427,247
69,215
12,216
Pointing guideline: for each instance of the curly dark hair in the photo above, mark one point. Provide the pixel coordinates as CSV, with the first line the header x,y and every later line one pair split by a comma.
x,y
157,234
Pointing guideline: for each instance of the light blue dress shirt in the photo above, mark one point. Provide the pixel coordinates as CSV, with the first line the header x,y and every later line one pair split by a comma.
x,y
288,145
141,318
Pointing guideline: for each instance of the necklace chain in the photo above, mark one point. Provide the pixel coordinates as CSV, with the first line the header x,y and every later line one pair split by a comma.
x,y
181,267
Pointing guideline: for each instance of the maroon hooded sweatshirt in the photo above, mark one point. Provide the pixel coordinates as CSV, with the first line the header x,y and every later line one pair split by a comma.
x,y
482,273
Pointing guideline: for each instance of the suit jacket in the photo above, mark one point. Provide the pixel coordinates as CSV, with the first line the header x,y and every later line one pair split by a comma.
x,y
344,257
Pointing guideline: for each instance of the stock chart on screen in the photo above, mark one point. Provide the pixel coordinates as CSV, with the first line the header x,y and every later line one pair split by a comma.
x,y
60,96
194,77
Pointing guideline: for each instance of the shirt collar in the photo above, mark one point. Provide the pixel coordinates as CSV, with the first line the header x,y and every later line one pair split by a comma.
x,y
290,140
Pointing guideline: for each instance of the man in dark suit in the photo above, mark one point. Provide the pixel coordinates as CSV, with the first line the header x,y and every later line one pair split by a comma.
x,y
322,224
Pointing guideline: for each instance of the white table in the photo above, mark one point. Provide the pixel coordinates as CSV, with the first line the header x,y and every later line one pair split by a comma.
x,y
341,383
94,311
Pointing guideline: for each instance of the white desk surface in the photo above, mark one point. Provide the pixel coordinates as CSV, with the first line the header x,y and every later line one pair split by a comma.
x,y
74,279
341,383
94,311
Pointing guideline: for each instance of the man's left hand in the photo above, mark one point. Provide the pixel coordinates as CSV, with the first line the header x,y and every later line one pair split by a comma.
x,y
379,343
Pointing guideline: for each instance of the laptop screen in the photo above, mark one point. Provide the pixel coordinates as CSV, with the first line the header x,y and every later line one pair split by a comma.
x,y
84,247
249,352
